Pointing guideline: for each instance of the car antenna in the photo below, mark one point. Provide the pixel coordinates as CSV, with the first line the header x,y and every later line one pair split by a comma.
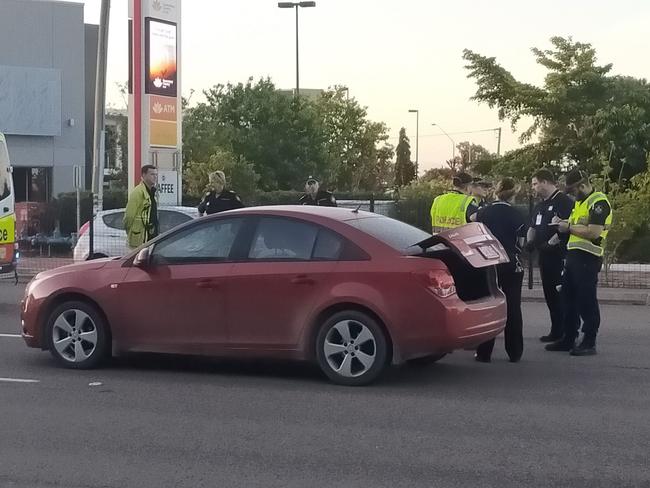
x,y
356,210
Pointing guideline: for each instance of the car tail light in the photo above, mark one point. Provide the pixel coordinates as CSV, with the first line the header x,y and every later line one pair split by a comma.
x,y
439,281
84,228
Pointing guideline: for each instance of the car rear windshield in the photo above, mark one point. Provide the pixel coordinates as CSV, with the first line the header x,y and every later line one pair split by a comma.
x,y
396,234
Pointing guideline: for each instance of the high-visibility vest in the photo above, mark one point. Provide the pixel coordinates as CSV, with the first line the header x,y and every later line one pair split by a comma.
x,y
580,216
449,211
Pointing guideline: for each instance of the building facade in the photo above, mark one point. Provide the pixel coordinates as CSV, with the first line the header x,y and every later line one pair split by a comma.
x,y
43,94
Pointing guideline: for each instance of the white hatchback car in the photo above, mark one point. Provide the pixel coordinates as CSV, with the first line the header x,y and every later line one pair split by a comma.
x,y
110,236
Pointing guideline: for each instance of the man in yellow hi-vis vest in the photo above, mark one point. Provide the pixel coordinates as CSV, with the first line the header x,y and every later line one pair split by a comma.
x,y
455,208
587,227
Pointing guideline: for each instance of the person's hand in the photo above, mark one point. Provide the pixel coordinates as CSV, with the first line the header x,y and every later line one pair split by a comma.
x,y
554,241
562,225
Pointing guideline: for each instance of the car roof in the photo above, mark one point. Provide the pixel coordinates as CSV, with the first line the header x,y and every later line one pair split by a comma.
x,y
175,208
334,213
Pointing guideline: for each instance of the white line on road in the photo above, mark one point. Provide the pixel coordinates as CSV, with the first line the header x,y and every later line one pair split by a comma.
x,y
18,380
13,336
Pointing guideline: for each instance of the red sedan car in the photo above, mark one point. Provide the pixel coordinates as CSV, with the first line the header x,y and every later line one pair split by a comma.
x,y
351,290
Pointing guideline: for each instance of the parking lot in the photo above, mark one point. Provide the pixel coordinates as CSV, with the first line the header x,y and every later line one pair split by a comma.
x,y
552,420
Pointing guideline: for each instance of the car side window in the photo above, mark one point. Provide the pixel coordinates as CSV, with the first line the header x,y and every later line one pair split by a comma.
x,y
283,239
114,220
168,219
210,241
329,246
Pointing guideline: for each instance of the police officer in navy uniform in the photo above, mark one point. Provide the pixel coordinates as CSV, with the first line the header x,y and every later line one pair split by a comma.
x,y
217,198
314,195
550,244
587,228
508,226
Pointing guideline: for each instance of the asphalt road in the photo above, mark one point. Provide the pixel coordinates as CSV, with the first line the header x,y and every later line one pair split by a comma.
x,y
552,420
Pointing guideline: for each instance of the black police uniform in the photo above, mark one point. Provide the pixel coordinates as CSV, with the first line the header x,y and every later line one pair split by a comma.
x,y
579,288
323,199
508,226
154,227
551,258
213,203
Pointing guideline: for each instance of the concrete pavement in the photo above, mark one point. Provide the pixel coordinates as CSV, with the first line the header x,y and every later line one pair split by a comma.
x,y
152,421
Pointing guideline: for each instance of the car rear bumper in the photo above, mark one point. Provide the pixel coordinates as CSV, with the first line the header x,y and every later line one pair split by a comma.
x,y
461,325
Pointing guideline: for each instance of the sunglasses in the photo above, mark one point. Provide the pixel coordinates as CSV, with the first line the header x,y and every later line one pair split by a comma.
x,y
312,183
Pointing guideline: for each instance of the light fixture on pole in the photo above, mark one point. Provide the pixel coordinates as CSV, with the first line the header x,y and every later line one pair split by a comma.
x,y
297,6
417,138
453,143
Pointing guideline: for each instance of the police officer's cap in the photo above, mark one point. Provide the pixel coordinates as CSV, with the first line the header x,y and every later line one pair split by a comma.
x,y
462,179
576,177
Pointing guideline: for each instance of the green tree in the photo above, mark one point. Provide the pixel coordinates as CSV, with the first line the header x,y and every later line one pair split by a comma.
x,y
240,174
356,146
404,167
278,135
581,114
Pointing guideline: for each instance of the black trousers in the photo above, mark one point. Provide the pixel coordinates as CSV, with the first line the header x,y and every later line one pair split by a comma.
x,y
551,265
579,294
510,281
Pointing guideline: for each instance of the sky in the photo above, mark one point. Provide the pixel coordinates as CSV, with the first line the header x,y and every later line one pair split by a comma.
x,y
393,56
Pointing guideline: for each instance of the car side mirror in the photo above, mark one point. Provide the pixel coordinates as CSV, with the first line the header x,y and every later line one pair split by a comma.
x,y
143,258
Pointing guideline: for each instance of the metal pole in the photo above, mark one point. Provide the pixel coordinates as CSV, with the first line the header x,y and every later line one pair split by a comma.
x,y
531,255
100,103
297,57
499,142
417,142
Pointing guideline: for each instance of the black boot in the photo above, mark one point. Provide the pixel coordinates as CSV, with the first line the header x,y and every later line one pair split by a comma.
x,y
563,345
550,338
586,348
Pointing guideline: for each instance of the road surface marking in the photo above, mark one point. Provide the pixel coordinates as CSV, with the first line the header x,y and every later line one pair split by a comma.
x,y
13,336
18,380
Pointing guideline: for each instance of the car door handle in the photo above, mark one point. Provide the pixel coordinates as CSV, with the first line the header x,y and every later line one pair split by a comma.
x,y
209,284
302,280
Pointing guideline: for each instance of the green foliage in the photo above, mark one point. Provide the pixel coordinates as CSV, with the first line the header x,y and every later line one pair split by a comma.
x,y
631,216
582,114
287,139
414,204
240,174
404,167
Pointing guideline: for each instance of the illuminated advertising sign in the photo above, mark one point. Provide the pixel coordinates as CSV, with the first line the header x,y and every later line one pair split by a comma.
x,y
160,58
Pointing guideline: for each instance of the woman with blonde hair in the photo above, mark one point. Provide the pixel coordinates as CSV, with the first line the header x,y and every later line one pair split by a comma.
x,y
509,226
217,198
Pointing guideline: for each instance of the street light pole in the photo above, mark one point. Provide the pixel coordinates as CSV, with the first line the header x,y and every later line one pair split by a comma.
x,y
296,6
499,141
453,144
297,58
417,138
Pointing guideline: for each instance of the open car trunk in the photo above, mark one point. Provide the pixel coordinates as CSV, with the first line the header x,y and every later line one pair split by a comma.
x,y
471,253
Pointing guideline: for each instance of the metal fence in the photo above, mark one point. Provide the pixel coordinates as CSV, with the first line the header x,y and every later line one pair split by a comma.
x,y
42,248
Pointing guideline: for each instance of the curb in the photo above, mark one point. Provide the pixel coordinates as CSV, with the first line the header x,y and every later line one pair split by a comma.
x,y
642,299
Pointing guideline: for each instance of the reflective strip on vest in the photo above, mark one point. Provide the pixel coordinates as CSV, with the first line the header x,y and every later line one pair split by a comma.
x,y
449,211
580,216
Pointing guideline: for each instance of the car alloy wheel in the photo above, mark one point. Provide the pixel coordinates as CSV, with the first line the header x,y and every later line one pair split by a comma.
x,y
351,348
78,337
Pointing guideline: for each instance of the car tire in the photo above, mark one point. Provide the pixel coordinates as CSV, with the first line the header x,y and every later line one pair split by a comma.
x,y
351,348
78,336
426,360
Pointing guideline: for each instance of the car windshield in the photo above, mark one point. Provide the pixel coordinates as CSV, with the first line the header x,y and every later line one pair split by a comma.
x,y
396,234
